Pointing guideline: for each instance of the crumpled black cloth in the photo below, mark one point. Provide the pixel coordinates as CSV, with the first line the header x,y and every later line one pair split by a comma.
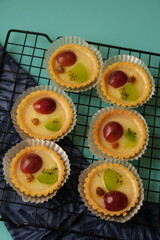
x,y
66,210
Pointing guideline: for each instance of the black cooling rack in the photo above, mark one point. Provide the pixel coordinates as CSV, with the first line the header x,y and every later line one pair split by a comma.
x,y
28,49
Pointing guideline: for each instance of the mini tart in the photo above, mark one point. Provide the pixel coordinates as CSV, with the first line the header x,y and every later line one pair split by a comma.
x,y
50,159
26,115
130,94
85,58
132,125
129,186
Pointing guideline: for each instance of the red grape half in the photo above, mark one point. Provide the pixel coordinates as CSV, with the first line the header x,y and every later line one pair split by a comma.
x,y
44,105
115,200
67,58
31,163
112,131
117,79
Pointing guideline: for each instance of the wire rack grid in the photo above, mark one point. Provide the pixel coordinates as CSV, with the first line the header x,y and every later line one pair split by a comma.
x,y
28,49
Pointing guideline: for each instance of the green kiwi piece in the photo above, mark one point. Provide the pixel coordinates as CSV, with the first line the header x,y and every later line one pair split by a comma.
x,y
130,139
129,92
78,73
48,176
130,135
112,179
53,125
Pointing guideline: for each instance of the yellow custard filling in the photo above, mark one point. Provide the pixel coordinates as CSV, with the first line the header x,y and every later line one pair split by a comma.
x,y
26,115
131,93
81,73
50,160
127,187
95,179
132,139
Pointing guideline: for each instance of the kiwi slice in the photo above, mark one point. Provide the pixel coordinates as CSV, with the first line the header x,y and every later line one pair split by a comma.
x,y
130,135
78,73
112,179
48,176
53,125
129,92
130,138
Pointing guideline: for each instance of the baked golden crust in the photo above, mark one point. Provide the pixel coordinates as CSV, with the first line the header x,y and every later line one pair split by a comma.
x,y
82,50
25,187
124,115
142,84
64,106
131,179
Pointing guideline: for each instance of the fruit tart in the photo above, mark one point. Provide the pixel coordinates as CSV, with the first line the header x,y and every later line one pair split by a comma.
x,y
111,190
37,171
73,65
118,133
44,113
125,84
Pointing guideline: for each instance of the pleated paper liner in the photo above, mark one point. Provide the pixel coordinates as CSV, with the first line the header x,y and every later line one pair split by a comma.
x,y
73,40
98,152
115,218
34,142
130,59
25,135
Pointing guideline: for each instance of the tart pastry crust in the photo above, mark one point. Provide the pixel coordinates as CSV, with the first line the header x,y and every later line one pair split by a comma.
x,y
128,120
85,56
132,181
18,178
26,114
142,84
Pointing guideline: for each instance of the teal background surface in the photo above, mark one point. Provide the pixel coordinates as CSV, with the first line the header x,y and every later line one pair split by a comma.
x,y
132,24
124,23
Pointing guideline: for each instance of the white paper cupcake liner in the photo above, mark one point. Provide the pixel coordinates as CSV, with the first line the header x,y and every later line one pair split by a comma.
x,y
92,145
34,142
131,59
120,218
75,40
24,135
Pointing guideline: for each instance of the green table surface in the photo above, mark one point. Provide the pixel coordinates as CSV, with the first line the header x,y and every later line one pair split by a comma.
x,y
132,24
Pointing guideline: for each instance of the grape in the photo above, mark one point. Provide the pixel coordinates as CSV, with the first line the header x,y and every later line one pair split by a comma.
x,y
117,79
112,131
44,105
31,163
115,201
67,58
